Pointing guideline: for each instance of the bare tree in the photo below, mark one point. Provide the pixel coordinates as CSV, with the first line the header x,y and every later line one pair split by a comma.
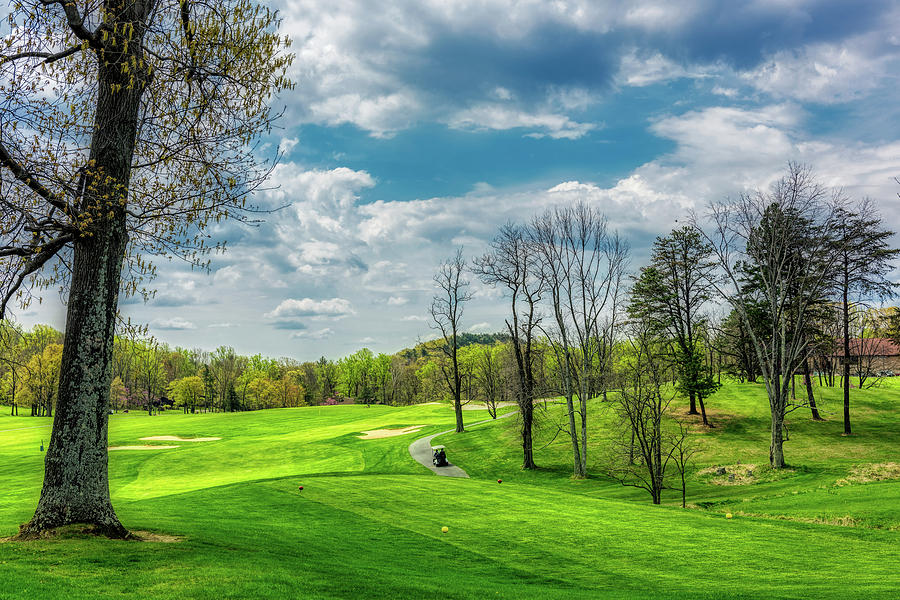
x,y
583,265
514,263
864,261
646,425
446,315
777,255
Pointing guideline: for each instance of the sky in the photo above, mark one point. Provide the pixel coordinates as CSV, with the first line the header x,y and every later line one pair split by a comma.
x,y
419,126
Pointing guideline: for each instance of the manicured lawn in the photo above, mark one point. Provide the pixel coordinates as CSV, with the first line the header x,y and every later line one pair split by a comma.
x,y
368,522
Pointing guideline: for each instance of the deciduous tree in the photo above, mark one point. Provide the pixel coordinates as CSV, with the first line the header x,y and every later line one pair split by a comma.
x,y
864,261
777,255
514,264
446,316
126,126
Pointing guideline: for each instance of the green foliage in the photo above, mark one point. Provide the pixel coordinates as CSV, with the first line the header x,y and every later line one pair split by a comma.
x,y
694,378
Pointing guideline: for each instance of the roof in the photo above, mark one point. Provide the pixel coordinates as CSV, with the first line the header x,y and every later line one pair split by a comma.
x,y
870,347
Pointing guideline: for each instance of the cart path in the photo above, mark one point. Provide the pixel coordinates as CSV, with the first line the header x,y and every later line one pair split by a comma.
x,y
420,450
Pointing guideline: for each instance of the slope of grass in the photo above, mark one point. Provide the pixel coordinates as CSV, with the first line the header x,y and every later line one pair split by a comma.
x,y
367,523
817,452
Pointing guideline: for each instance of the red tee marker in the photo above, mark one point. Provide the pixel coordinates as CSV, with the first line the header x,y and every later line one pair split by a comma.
x,y
300,488
499,481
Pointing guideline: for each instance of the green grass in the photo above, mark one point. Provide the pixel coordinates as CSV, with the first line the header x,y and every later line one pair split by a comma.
x,y
817,453
368,522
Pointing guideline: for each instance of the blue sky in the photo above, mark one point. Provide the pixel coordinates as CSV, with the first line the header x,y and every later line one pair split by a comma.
x,y
419,126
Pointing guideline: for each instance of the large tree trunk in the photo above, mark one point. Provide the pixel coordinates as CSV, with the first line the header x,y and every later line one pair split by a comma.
x,y
526,408
693,405
76,481
526,404
76,484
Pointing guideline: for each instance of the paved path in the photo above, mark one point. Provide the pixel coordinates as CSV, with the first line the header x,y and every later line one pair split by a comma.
x,y
420,450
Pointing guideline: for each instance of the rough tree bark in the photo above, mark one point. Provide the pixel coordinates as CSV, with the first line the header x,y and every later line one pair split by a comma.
x,y
76,483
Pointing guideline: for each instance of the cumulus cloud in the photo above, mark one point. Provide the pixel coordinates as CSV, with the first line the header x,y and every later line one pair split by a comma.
x,y
319,334
823,73
308,307
174,323
479,327
287,144
497,64
354,247
639,71
229,275
499,117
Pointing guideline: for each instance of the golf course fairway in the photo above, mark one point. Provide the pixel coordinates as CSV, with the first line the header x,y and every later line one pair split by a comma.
x,y
368,521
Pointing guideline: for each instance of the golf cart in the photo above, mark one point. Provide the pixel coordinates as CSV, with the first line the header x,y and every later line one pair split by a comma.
x,y
439,456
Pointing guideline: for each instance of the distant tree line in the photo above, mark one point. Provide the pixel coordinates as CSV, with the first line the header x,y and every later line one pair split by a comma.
x,y
150,376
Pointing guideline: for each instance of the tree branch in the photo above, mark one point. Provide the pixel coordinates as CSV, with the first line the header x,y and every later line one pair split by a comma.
x,y
76,22
29,179
46,252
49,57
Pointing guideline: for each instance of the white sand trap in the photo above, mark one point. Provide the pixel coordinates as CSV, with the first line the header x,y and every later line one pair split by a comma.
x,y
376,434
141,447
175,438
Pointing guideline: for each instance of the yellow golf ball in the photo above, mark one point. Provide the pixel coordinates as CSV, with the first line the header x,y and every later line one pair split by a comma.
x,y
445,529
728,515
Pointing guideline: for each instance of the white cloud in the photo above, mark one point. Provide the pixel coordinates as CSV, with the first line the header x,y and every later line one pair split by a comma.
x,y
362,64
174,323
287,144
479,327
342,255
824,73
320,334
724,91
229,275
381,115
639,71
220,325
500,117
654,15
308,307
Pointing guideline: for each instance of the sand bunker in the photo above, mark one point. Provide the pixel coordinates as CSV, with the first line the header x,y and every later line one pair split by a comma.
x,y
175,438
376,434
141,447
